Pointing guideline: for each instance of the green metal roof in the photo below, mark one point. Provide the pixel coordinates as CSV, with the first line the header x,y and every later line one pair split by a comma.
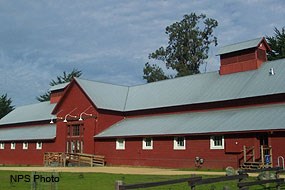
x,y
200,88
43,132
233,120
34,112
208,87
239,46
104,95
58,87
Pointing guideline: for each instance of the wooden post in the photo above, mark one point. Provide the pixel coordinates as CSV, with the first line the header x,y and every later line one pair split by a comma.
x,y
118,183
271,159
253,154
262,156
244,154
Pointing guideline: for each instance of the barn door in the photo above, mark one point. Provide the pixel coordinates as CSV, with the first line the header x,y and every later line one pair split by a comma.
x,y
74,143
263,140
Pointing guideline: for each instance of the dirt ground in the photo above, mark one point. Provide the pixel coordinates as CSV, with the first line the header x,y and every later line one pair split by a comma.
x,y
114,170
119,170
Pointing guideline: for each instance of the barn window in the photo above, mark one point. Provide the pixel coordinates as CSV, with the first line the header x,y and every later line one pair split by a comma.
x,y
25,145
147,144
179,143
217,142
39,145
13,145
75,130
120,144
2,145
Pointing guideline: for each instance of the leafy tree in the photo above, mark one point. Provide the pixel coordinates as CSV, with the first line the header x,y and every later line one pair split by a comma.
x,y
5,105
66,77
277,44
188,45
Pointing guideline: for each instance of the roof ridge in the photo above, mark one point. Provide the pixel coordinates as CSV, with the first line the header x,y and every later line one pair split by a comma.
x,y
126,100
101,82
177,78
243,42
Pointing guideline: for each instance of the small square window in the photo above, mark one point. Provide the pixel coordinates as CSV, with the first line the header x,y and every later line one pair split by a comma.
x,y
147,144
39,145
217,142
179,143
2,145
25,145
120,144
13,146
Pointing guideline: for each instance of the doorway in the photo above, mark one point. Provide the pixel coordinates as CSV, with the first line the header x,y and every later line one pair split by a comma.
x,y
263,139
75,134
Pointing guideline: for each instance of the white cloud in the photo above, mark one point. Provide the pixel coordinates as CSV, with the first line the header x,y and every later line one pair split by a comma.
x,y
108,40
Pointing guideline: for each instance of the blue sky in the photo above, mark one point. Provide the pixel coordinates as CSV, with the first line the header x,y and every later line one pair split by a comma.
x,y
109,40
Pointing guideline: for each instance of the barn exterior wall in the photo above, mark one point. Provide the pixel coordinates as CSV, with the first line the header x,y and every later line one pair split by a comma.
x,y
277,141
163,154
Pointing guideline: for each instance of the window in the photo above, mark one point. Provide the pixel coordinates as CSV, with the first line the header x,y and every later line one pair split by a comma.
x,y
39,145
25,145
147,144
120,144
75,130
13,145
179,143
217,142
2,145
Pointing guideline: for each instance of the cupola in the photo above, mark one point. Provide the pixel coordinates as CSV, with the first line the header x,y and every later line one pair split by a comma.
x,y
243,56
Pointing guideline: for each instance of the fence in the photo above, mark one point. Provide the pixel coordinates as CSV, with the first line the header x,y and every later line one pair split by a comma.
x,y
243,182
41,181
61,159
120,186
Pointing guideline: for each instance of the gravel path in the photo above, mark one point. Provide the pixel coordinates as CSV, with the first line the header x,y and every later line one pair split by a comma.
x,y
119,170
114,170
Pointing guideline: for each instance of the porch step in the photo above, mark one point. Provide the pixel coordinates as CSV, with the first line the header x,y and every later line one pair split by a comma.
x,y
251,165
74,159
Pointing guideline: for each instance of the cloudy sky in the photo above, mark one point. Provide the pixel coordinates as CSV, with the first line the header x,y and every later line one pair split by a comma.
x,y
109,40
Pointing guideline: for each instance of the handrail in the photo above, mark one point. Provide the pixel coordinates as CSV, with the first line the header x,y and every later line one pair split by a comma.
x,y
282,159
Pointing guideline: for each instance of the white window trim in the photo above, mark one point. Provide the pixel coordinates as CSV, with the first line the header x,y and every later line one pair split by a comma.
x,y
2,146
118,144
39,145
13,146
212,143
25,147
176,145
144,147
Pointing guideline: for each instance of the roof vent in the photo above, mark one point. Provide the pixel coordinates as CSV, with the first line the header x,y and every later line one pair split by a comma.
x,y
271,71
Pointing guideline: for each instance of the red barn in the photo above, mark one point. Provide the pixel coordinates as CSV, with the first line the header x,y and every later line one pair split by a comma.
x,y
234,117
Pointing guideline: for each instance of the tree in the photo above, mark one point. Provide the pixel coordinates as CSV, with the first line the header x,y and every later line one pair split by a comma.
x,y
188,45
5,105
66,77
277,44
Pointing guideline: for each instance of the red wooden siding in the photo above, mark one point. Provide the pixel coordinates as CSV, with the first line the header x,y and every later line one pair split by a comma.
x,y
244,60
163,154
277,141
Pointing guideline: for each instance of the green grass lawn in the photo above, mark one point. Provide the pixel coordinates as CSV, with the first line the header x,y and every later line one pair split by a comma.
x,y
100,181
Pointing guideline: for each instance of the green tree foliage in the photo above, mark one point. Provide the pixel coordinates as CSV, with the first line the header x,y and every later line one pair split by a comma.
x,y
5,105
64,78
188,45
277,44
